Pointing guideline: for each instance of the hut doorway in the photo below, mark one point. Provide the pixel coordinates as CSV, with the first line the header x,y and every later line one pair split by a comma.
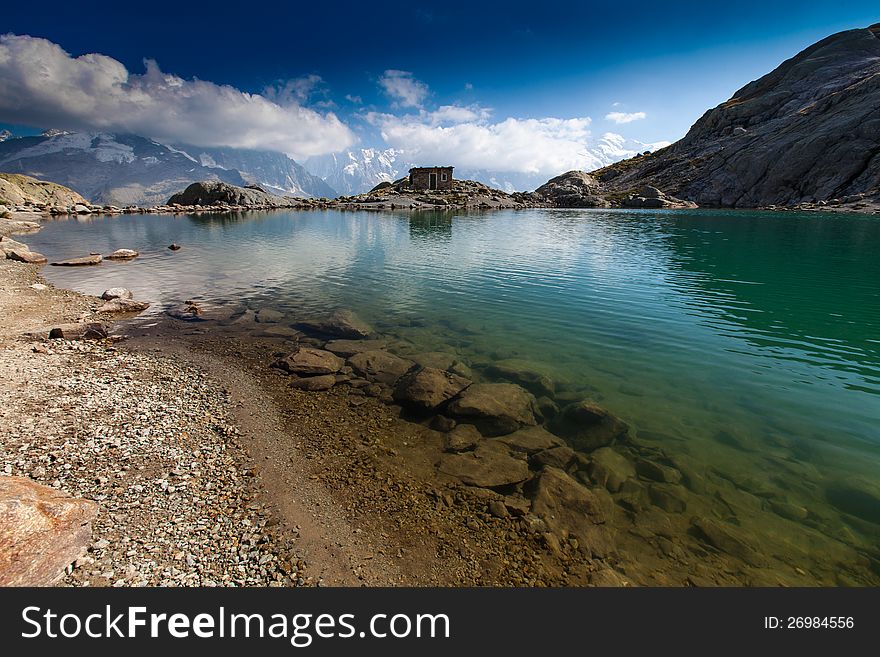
x,y
432,181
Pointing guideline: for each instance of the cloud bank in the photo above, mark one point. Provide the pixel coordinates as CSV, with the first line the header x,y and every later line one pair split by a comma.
x,y
43,86
625,117
467,138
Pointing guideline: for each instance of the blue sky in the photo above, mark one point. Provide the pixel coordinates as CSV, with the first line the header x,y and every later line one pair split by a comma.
x,y
366,65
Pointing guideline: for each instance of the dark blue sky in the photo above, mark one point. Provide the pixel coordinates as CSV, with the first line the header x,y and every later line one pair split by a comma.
x,y
671,61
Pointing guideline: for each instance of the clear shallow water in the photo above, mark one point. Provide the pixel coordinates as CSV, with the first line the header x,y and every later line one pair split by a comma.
x,y
746,341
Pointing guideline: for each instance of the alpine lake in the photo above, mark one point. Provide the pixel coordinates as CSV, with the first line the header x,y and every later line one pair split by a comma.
x,y
741,349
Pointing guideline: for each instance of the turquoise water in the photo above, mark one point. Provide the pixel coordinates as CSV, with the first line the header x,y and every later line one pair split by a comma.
x,y
748,342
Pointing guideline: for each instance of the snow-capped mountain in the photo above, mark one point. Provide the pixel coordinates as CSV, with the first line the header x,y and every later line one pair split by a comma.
x,y
358,171
354,172
128,169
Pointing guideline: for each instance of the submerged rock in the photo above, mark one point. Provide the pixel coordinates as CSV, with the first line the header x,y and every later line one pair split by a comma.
x,y
568,508
428,388
462,438
610,468
310,362
314,383
514,371
188,311
727,538
339,324
531,440
84,261
268,316
490,465
588,426
348,348
495,408
380,366
42,531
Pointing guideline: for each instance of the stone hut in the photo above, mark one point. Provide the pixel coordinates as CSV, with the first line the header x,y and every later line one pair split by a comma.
x,y
431,177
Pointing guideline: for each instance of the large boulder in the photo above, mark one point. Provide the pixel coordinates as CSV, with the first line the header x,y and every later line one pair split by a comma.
x,y
610,468
427,388
495,408
587,426
310,362
573,189
380,366
18,189
490,465
339,324
42,531
214,192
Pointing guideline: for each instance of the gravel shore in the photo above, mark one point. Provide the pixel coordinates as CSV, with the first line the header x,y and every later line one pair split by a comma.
x,y
145,437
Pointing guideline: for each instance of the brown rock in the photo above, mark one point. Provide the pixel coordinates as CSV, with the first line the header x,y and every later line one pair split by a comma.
x,y
314,383
495,408
531,440
310,362
340,324
348,348
42,531
90,331
123,306
567,507
462,438
428,388
85,261
587,426
490,465
30,257
561,457
610,468
727,538
380,366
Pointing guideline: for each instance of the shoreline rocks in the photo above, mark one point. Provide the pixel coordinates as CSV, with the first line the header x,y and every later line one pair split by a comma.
x,y
84,261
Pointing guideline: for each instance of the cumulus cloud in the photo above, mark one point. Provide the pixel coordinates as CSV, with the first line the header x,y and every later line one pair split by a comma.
x,y
43,86
403,88
467,138
625,117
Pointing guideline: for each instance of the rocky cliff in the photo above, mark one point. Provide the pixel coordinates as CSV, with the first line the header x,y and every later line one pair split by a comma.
x,y
16,189
808,132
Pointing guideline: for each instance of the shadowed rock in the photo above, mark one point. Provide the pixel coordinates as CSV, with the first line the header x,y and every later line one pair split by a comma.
x,y
461,438
348,348
490,465
530,440
84,261
495,408
116,293
588,426
339,324
315,383
428,388
42,531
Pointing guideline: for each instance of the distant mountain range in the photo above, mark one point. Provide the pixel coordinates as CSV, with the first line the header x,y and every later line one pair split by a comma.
x,y
124,170
358,171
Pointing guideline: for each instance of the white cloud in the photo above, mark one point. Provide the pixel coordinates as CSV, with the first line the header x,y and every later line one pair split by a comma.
x,y
403,88
42,86
295,91
357,100
463,137
625,117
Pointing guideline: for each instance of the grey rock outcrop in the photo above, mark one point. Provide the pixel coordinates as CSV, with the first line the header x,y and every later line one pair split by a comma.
x,y
214,192
807,132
